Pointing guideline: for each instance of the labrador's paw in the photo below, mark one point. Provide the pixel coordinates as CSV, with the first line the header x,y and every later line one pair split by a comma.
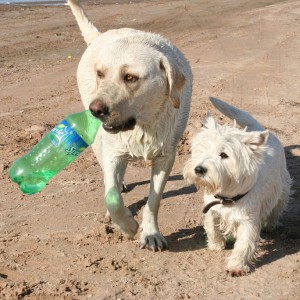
x,y
125,222
154,241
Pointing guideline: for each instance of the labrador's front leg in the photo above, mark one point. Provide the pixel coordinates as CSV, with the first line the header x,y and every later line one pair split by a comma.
x,y
114,170
151,238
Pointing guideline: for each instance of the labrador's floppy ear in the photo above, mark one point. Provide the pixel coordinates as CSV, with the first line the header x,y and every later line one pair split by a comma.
x,y
175,78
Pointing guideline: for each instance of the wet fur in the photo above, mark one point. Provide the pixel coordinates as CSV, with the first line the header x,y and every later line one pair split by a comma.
x,y
159,101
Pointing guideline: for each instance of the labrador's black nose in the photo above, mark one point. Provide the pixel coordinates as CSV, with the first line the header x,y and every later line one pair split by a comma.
x,y
200,170
99,109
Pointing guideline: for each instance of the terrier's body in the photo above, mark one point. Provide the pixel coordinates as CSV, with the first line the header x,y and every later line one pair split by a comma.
x,y
245,181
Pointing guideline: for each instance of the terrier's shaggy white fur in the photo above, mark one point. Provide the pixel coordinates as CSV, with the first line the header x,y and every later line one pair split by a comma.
x,y
245,181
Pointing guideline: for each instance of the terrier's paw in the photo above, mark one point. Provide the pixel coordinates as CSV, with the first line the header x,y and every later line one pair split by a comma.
x,y
237,270
154,242
216,246
126,223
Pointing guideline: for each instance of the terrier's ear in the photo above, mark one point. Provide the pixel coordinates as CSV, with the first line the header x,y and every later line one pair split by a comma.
x,y
256,140
209,121
176,80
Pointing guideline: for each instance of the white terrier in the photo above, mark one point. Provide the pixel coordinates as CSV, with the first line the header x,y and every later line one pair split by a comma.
x,y
245,181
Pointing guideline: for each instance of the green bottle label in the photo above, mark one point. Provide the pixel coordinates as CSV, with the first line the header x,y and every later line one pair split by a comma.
x,y
62,135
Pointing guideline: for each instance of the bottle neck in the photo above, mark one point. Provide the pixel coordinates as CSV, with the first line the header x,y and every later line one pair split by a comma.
x,y
85,124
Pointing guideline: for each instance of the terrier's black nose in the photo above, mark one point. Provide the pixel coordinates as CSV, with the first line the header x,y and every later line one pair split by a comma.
x,y
99,109
200,170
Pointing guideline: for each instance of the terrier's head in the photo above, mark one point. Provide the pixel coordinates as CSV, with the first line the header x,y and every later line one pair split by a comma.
x,y
225,160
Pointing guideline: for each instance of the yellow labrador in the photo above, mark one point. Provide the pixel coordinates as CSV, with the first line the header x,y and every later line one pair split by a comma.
x,y
139,85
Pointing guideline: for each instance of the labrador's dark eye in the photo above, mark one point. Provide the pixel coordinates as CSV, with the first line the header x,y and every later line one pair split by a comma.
x,y
100,74
223,155
130,78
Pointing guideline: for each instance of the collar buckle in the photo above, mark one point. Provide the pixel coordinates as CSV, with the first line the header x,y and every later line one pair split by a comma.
x,y
227,201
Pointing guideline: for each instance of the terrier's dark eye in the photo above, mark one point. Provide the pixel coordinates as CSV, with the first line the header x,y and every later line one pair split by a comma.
x,y
223,155
100,74
130,78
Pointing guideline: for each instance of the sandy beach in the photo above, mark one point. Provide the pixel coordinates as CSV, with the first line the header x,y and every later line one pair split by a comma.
x,y
55,244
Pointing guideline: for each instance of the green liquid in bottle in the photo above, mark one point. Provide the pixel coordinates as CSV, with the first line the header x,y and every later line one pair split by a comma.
x,y
54,152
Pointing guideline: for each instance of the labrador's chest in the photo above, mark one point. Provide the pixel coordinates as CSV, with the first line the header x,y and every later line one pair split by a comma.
x,y
146,144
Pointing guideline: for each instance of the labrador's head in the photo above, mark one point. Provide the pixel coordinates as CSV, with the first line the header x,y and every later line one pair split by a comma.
x,y
129,80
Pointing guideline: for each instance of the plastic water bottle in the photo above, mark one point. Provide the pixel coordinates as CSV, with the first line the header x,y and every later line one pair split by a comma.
x,y
54,152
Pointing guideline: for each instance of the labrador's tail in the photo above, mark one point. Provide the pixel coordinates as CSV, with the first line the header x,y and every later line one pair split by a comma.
x,y
88,30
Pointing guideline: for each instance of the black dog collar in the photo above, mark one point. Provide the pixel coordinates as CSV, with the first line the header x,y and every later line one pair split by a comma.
x,y
222,200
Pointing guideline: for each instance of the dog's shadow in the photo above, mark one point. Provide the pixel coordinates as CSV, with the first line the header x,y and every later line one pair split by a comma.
x,y
188,239
286,239
135,207
278,244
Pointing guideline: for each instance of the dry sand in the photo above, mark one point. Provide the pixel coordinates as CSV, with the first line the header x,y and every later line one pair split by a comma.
x,y
55,245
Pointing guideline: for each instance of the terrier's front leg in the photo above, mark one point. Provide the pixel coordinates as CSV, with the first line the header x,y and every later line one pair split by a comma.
x,y
215,239
243,254
151,238
121,216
